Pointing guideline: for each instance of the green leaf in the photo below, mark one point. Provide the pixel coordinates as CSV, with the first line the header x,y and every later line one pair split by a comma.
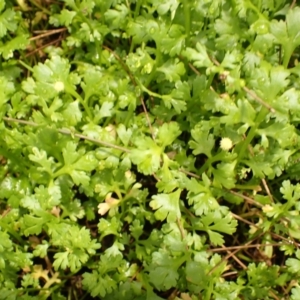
x,y
295,293
117,17
147,156
196,271
18,43
98,285
174,41
199,57
167,206
203,141
290,192
286,34
61,260
242,113
124,134
72,114
215,221
41,250
34,225
163,271
215,237
78,244
40,157
165,6
7,22
225,175
105,111
200,196
286,139
172,69
294,264
52,78
64,18
7,89
226,225
167,133
70,154
269,81
230,30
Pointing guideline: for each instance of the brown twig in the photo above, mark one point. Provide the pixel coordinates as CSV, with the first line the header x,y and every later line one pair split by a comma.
x,y
274,295
194,69
136,273
267,189
189,173
156,177
258,99
125,67
290,241
43,46
293,4
248,199
246,247
230,255
263,180
244,220
47,33
69,132
182,233
235,258
248,91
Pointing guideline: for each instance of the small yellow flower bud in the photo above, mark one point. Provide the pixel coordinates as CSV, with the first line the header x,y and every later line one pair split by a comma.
x,y
59,86
267,208
226,144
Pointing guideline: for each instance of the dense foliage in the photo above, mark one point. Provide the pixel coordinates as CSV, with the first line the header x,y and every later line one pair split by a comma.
x,y
149,149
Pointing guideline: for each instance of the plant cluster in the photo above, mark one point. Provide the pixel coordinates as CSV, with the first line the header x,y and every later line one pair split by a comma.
x,y
149,149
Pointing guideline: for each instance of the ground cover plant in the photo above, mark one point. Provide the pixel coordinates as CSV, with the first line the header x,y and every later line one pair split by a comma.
x,y
149,149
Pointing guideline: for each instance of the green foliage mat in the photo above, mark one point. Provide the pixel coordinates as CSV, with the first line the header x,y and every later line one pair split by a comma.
x,y
149,149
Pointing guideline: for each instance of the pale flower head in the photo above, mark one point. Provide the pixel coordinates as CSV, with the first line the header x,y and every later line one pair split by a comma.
x,y
59,86
109,203
267,208
226,144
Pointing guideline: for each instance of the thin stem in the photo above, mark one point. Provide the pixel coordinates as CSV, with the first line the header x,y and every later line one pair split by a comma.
x,y
189,173
144,89
248,199
245,247
43,46
47,33
135,83
187,20
251,133
12,232
235,258
254,8
267,189
258,99
61,171
293,4
25,66
231,254
288,50
137,8
256,188
211,160
210,80
72,92
181,229
81,136
69,132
